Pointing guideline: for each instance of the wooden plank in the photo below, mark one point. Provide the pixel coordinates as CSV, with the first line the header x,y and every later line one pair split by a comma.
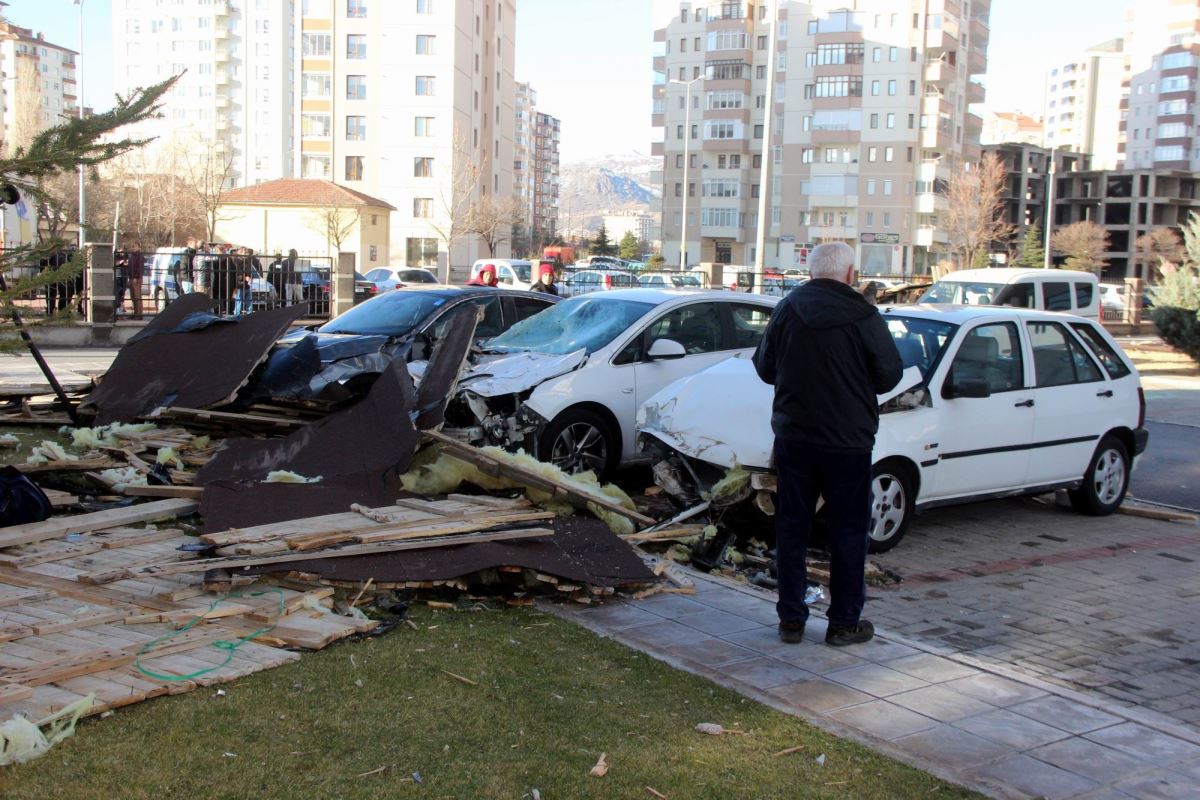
x,y
88,621
19,595
83,523
14,692
418,528
202,564
226,418
134,537
493,466
59,499
49,555
189,492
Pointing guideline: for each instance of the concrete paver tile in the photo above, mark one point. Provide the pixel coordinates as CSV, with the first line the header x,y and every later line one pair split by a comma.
x,y
884,720
1165,786
765,673
661,634
819,658
820,695
716,622
1096,761
1038,778
931,668
616,616
1005,727
944,744
709,651
671,605
1138,740
995,690
876,680
881,650
942,704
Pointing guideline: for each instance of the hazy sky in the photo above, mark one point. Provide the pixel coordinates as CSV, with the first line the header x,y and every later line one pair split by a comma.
x,y
589,60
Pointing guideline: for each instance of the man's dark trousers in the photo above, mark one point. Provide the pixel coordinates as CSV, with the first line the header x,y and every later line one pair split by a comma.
x,y
844,480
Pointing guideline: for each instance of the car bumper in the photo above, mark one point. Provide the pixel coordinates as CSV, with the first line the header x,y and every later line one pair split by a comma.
x,y
1141,437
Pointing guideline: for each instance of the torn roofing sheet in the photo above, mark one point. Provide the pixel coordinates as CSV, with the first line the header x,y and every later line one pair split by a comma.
x,y
174,314
445,365
373,435
182,365
582,550
229,504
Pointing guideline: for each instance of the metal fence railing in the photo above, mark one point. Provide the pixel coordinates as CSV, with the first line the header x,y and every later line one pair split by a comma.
x,y
61,298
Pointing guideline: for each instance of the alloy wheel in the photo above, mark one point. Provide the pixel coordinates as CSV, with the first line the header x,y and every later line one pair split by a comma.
x,y
888,505
580,447
1108,479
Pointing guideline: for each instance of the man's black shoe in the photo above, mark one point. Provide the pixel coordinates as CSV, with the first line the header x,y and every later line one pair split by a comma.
x,y
791,632
842,635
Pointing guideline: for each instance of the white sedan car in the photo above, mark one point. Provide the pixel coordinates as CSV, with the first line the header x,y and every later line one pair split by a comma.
x,y
388,278
566,383
995,402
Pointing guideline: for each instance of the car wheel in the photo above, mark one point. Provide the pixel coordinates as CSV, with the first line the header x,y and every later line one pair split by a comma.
x,y
160,299
579,440
1106,480
892,499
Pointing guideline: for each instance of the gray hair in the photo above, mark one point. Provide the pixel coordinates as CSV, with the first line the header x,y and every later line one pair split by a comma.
x,y
831,260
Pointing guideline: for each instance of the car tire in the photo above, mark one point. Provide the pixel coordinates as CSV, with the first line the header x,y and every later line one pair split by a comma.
x,y
892,501
579,440
1106,480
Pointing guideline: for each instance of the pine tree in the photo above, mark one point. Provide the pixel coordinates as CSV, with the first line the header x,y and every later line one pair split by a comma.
x,y
601,246
628,249
55,151
1033,255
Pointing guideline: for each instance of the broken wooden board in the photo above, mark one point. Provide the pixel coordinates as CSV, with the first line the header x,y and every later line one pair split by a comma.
x,y
83,523
228,504
225,420
187,492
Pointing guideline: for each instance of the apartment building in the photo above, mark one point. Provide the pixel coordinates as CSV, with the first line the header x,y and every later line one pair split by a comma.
x,y
1158,128
524,105
38,84
639,224
233,104
413,103
546,133
1083,104
1010,126
1026,181
871,107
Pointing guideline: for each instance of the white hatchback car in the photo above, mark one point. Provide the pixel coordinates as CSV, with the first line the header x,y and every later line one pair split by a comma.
x,y
566,383
995,402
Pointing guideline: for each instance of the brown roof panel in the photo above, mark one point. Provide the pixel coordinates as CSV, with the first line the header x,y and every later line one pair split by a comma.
x,y
302,192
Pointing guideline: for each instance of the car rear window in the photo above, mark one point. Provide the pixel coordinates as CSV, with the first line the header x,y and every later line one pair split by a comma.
x,y
1083,294
1104,352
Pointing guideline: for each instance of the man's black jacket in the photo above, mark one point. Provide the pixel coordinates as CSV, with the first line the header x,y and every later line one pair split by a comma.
x,y
828,353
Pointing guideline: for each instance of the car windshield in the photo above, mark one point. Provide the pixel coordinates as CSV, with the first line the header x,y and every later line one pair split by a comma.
x,y
921,342
587,323
523,271
389,314
967,293
417,276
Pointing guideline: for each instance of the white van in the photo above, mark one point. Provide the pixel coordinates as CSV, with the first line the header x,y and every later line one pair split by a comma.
x,y
511,273
1047,289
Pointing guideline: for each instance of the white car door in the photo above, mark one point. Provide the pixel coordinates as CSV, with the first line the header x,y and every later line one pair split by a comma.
x,y
982,443
1074,404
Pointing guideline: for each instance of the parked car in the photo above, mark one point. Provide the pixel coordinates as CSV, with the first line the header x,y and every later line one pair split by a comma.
x,y
1047,289
166,280
363,289
566,384
343,357
995,402
387,278
596,280
670,280
511,273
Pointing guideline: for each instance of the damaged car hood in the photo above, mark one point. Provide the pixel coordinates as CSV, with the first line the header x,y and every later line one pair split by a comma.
x,y
723,414
518,372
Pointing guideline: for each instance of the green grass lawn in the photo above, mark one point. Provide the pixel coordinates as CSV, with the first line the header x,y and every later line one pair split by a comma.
x,y
358,720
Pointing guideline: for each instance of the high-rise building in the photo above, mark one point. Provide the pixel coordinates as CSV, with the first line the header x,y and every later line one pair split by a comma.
x,y
38,84
546,131
1083,104
233,105
523,149
414,103
871,108
1162,46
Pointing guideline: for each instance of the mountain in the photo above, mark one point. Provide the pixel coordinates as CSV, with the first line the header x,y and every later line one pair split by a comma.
x,y
607,185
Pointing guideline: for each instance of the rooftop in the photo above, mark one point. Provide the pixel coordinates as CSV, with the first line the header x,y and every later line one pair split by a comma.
x,y
303,192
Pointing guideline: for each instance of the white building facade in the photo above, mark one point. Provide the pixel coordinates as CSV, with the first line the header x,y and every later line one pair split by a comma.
x,y
1083,104
38,84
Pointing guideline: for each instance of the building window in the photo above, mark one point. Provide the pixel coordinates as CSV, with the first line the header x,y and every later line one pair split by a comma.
x,y
421,252
356,129
874,120
314,126
424,6
891,120
423,126
316,84
889,153
356,46
887,185
872,154
874,88
423,207
871,186
426,45
422,167
314,167
354,168
374,252
356,9
316,45
356,87
892,53
891,87
425,85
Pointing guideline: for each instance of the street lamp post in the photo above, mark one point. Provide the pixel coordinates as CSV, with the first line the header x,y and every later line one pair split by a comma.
x,y
687,137
764,171
1050,172
79,107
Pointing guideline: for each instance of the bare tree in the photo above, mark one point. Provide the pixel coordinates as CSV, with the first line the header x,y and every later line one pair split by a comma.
x,y
492,218
1084,244
451,219
207,170
335,223
975,220
1157,249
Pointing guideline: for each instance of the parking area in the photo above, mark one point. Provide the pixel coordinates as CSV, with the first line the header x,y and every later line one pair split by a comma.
x,y
1107,604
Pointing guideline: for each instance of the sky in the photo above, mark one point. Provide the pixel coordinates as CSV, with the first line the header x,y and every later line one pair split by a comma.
x,y
590,60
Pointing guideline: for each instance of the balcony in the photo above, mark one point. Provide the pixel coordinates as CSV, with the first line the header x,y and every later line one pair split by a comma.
x,y
940,72
976,92
934,139
928,236
930,203
979,32
976,61
936,105
658,149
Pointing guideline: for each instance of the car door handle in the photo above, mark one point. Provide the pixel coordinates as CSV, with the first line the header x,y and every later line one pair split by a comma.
x,y
1107,393
627,390
1024,404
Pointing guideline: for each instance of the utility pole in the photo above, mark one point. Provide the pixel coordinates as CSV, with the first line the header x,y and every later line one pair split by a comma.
x,y
764,167
687,138
1050,172
79,104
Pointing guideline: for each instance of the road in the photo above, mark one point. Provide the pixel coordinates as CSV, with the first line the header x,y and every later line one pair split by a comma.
x,y
1169,471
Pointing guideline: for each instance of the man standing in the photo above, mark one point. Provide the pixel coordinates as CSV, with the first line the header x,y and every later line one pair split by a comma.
x,y
292,279
828,353
135,271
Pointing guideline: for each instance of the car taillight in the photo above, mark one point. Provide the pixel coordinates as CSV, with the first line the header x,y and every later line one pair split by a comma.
x,y
372,289
1141,407
608,281
399,285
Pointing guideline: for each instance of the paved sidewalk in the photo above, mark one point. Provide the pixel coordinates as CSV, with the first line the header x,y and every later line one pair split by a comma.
x,y
978,724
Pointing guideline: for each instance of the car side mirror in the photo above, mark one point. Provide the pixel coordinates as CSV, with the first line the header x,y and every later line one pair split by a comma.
x,y
967,387
665,350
